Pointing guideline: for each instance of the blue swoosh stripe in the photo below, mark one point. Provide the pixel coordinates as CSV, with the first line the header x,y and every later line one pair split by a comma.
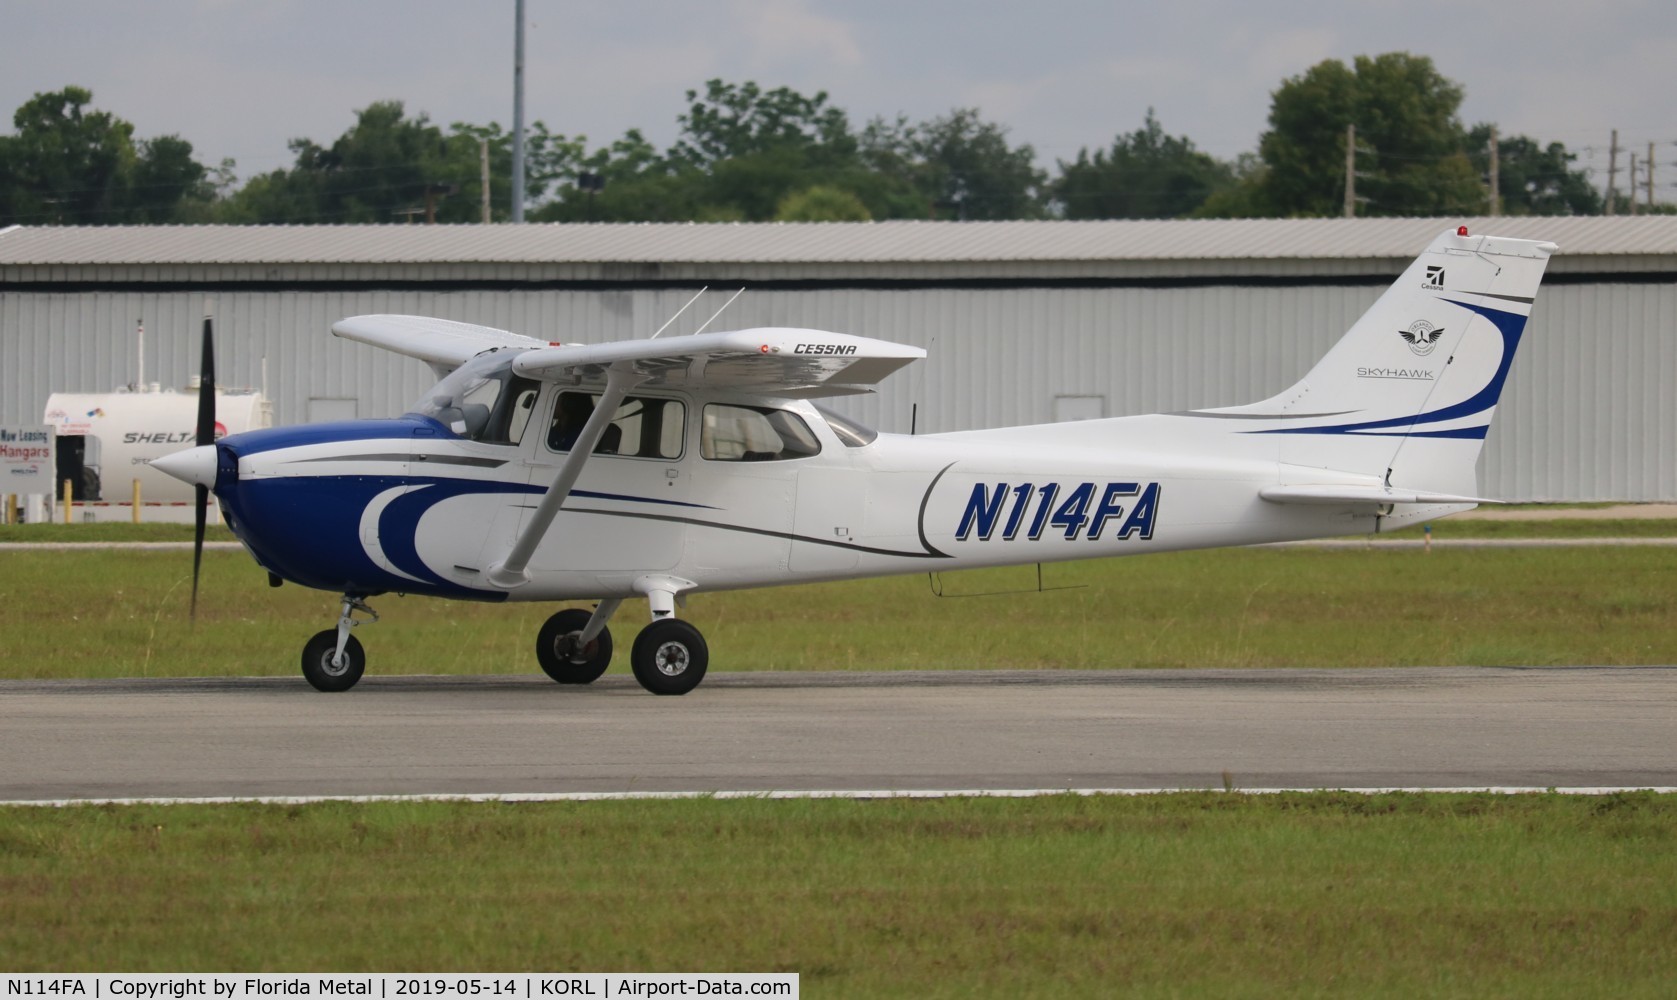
x,y
1510,325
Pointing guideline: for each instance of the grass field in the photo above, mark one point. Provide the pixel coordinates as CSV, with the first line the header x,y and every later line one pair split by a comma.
x,y
1203,894
1186,894
103,613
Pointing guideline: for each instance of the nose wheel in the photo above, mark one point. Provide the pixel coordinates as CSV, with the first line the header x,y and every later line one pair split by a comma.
x,y
333,660
325,669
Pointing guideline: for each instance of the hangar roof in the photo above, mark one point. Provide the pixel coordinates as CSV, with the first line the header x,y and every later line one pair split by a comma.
x,y
807,243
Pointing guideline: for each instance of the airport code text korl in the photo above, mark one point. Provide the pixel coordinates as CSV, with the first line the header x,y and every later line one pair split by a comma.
x,y
154,986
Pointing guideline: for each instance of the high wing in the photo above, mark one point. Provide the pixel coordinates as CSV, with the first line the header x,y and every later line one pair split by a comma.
x,y
771,361
441,343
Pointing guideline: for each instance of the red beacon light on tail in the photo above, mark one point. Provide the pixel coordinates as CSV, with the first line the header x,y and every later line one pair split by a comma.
x,y
1461,230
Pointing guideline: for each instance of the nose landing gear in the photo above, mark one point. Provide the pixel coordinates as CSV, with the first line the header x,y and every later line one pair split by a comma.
x,y
333,660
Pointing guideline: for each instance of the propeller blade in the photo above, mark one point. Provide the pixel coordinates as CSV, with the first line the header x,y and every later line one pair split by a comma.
x,y
206,435
206,389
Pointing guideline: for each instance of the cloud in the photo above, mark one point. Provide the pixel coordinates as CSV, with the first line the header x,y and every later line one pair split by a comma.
x,y
788,31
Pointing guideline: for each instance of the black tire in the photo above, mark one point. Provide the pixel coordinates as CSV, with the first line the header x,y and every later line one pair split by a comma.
x,y
317,662
556,652
670,657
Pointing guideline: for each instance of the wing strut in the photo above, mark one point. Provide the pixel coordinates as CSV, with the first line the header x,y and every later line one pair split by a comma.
x,y
512,571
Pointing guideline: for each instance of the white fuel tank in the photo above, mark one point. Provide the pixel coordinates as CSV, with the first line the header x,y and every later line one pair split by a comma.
x,y
123,431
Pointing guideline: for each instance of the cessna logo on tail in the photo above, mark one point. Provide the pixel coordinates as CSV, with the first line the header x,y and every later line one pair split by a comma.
x,y
1435,276
1422,337
825,349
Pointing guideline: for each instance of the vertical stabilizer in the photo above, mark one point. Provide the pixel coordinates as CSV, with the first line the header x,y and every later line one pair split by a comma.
x,y
1407,394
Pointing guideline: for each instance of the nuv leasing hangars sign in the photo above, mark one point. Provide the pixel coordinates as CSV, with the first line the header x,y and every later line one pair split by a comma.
x,y
26,459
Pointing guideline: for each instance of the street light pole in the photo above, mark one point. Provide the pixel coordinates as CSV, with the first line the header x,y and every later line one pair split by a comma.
x,y
518,116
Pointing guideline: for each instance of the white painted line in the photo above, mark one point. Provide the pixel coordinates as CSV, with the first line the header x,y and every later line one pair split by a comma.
x,y
836,793
152,546
1466,543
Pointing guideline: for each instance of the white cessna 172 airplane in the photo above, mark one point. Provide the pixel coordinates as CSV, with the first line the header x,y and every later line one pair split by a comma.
x,y
539,471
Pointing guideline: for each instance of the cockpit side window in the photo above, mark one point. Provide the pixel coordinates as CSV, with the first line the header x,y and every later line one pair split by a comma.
x,y
483,400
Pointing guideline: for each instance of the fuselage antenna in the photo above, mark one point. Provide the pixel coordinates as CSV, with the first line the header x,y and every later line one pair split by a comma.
x,y
718,312
678,312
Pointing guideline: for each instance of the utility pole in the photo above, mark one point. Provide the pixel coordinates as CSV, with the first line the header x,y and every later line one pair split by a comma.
x,y
1612,172
1632,183
1496,180
518,116
483,175
1650,169
1350,171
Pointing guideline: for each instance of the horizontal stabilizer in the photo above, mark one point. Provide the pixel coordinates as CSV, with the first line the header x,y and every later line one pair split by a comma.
x,y
1376,495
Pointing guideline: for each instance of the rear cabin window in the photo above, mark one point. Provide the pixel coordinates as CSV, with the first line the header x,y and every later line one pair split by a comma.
x,y
754,434
642,427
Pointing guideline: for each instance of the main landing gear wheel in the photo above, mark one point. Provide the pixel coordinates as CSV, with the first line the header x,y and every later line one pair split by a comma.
x,y
561,657
669,657
319,669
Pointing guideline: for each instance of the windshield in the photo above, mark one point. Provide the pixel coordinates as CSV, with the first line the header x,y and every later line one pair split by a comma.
x,y
482,400
850,433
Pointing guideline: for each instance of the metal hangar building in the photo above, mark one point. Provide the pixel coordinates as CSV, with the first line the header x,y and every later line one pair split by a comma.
x,y
1024,322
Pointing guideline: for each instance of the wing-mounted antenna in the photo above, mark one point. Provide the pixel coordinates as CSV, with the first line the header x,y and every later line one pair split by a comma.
x,y
703,326
719,312
678,312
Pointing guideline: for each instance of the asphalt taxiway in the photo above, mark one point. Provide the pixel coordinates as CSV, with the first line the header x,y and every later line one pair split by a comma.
x,y
1409,727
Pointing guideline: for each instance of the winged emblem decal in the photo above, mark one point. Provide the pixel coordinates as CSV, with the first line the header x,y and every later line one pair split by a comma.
x,y
1422,337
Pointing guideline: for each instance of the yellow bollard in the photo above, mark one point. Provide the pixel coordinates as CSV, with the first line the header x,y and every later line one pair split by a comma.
x,y
11,509
136,501
69,501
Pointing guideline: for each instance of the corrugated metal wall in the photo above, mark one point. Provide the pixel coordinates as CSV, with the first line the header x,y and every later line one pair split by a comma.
x,y
1588,414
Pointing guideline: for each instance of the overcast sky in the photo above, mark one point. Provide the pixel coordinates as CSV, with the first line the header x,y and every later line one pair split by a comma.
x,y
238,78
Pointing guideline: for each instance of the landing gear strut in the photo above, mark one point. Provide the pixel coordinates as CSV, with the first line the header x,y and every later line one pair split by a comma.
x,y
333,660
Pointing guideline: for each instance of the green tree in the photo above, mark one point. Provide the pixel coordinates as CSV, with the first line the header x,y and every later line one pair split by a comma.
x,y
1411,157
1534,179
389,167
168,185
822,204
736,120
741,152
67,164
967,167
70,164
626,181
1145,175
